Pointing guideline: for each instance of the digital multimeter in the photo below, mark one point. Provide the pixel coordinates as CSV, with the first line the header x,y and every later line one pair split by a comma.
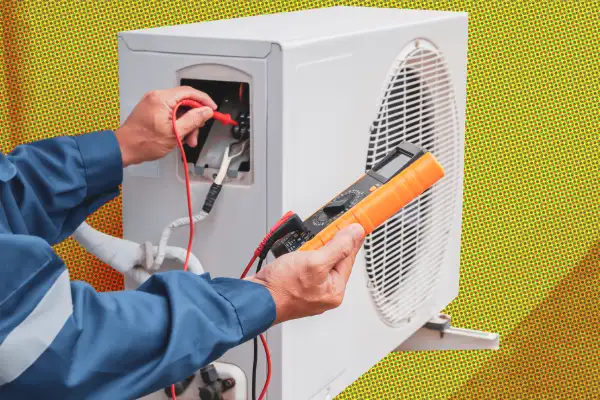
x,y
403,174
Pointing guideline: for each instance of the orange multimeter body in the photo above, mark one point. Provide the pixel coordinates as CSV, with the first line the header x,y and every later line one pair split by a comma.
x,y
405,173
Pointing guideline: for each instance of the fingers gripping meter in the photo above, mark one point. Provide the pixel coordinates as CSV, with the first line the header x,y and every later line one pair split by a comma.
x,y
403,174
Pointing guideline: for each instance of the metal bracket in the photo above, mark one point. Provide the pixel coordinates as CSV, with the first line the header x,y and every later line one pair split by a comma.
x,y
437,334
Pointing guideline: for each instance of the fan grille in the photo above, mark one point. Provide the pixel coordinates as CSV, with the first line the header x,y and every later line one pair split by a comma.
x,y
404,255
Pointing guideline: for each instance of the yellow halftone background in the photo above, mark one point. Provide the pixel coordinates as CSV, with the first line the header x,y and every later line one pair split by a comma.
x,y
531,240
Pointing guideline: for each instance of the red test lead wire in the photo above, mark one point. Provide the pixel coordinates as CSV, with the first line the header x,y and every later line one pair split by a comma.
x,y
257,252
187,187
269,367
225,119
194,104
254,257
261,246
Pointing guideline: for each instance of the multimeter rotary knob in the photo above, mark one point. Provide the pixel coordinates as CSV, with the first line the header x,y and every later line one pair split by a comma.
x,y
340,204
322,217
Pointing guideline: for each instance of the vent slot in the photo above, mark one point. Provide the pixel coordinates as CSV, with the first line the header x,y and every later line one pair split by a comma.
x,y
404,255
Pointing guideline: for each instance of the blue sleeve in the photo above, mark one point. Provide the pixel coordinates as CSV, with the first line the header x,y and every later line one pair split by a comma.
x,y
61,339
59,182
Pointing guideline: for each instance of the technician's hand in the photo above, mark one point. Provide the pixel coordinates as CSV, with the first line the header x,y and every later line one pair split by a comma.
x,y
307,283
148,135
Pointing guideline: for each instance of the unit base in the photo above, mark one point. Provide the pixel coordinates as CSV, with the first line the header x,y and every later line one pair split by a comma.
x,y
438,334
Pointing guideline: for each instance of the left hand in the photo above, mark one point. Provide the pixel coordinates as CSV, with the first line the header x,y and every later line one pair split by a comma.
x,y
307,283
147,134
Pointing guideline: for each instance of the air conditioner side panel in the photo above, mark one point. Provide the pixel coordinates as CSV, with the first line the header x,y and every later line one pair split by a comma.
x,y
331,91
331,95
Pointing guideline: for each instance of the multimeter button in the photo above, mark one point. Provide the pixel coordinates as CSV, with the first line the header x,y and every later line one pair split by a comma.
x,y
372,188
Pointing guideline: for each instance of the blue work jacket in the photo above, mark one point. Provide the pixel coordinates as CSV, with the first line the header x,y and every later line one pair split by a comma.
x,y
60,339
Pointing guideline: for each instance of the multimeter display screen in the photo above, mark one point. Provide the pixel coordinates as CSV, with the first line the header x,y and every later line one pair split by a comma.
x,y
395,165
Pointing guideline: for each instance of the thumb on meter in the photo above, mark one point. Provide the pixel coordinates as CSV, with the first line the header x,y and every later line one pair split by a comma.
x,y
337,256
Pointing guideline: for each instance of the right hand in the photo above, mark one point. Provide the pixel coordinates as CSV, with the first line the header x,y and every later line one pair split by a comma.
x,y
147,134
307,283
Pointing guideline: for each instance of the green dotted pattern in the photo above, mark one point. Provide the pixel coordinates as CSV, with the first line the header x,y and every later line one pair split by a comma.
x,y
530,254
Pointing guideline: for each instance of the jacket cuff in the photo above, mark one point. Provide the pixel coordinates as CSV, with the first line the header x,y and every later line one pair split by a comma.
x,y
102,161
253,304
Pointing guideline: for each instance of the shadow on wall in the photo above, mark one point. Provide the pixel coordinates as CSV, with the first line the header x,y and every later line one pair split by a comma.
x,y
555,352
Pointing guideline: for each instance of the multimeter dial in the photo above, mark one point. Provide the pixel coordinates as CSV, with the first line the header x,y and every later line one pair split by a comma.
x,y
337,206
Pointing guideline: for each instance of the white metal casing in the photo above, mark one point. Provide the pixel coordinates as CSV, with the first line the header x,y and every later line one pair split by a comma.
x,y
316,81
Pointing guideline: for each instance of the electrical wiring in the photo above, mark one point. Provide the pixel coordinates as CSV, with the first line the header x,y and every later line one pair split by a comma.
x,y
262,338
190,220
187,184
250,264
286,224
224,118
255,359
254,366
189,197
269,367
255,344
262,244
231,152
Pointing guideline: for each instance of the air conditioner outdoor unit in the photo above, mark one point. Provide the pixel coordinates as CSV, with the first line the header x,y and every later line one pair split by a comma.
x,y
328,93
